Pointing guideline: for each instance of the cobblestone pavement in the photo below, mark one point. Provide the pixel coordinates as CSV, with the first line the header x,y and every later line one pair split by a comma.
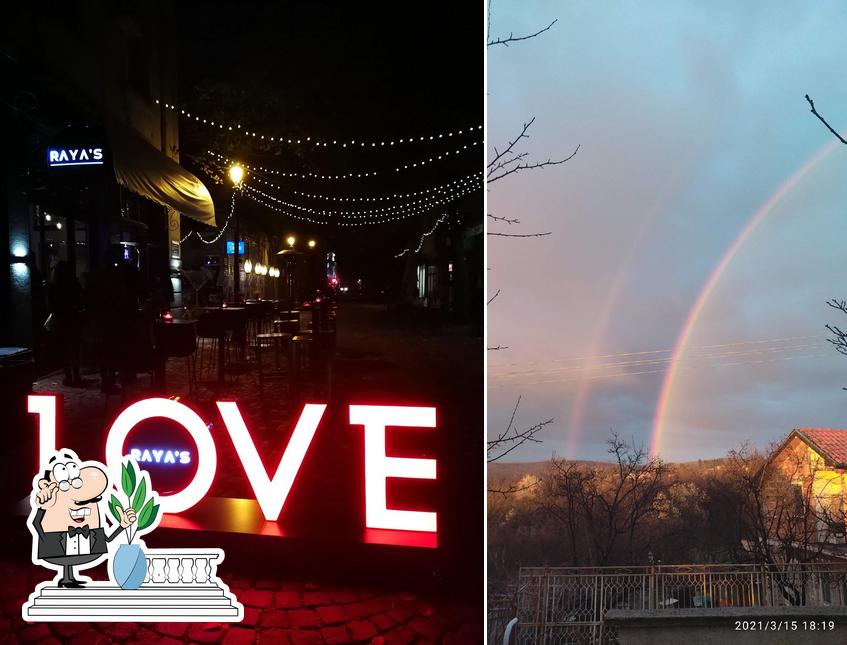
x,y
375,353
274,612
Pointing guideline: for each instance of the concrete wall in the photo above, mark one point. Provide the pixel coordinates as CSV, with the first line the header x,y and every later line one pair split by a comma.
x,y
718,626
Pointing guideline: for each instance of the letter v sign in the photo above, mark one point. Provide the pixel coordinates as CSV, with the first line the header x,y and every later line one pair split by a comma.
x,y
271,493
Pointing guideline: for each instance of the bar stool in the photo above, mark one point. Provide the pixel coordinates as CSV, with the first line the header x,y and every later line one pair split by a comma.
x,y
207,342
275,340
300,353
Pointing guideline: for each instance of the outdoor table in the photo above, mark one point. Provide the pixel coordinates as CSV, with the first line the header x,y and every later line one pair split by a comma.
x,y
287,325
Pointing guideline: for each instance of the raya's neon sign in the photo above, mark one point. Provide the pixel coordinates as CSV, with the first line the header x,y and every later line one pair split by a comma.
x,y
271,491
160,456
57,157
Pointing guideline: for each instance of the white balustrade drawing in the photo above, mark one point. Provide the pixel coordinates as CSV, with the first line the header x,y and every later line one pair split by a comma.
x,y
180,584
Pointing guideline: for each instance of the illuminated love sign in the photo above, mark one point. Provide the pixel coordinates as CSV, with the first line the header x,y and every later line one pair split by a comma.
x,y
271,491
57,157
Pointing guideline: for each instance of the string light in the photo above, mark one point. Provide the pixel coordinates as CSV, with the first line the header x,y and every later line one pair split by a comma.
x,y
226,223
423,237
361,212
376,220
436,138
372,199
299,175
350,175
429,160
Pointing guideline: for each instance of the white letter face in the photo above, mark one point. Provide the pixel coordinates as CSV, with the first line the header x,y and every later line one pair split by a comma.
x,y
272,493
379,467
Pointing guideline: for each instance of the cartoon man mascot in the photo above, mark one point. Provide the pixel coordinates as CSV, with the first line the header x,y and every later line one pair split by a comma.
x,y
65,521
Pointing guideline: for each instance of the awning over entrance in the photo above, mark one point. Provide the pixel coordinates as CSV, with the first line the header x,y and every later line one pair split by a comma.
x,y
150,173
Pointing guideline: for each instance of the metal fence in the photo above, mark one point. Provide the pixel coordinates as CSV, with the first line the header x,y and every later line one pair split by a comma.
x,y
568,605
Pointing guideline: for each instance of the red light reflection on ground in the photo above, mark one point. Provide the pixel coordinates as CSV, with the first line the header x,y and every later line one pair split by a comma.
x,y
419,539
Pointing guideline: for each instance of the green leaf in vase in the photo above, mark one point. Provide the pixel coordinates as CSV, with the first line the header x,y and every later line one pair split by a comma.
x,y
128,478
114,505
140,495
146,515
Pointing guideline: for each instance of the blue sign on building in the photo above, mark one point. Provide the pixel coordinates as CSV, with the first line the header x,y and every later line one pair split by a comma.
x,y
230,248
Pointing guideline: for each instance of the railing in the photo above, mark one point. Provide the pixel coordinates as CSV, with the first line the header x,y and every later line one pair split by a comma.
x,y
568,605
500,612
182,567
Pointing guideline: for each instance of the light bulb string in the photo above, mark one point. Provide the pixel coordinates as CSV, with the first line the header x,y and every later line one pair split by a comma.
x,y
223,228
260,178
420,163
360,213
423,237
436,138
376,220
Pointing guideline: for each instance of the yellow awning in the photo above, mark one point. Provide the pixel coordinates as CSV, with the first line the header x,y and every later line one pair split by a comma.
x,y
148,172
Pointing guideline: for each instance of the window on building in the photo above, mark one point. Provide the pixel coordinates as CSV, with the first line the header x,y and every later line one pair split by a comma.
x,y
421,281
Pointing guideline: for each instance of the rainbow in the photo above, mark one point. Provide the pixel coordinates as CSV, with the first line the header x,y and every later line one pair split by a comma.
x,y
696,310
600,329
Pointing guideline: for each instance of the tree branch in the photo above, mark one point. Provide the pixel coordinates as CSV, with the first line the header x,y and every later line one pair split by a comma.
x,y
512,437
530,166
511,38
822,120
519,234
504,219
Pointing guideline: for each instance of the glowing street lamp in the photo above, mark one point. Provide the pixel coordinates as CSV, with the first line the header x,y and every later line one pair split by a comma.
x,y
312,244
291,240
248,266
236,174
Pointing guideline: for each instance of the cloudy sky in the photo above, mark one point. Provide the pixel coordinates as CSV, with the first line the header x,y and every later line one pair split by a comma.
x,y
697,234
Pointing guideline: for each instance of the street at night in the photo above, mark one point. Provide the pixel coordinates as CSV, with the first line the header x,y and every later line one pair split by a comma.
x,y
242,320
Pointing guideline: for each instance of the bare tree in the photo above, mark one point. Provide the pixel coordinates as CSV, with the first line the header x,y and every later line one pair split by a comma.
x,y
508,161
605,509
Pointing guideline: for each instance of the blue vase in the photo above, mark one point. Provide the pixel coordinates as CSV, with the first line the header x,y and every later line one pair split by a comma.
x,y
129,566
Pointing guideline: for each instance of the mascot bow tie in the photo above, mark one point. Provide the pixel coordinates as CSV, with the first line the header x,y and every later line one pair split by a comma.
x,y
81,530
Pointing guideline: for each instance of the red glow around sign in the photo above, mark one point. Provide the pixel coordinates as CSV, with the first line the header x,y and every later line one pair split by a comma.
x,y
272,491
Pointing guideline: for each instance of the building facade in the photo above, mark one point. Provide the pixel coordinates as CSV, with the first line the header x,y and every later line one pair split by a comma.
x,y
90,163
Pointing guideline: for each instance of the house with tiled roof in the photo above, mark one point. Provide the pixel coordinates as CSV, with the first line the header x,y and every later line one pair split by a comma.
x,y
814,461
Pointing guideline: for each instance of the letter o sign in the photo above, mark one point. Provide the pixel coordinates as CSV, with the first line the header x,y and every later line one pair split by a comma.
x,y
207,457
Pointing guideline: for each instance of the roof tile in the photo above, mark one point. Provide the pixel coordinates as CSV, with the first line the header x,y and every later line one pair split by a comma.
x,y
833,441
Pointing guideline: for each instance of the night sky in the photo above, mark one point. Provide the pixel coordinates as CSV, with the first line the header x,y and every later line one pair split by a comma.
x,y
339,71
692,121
